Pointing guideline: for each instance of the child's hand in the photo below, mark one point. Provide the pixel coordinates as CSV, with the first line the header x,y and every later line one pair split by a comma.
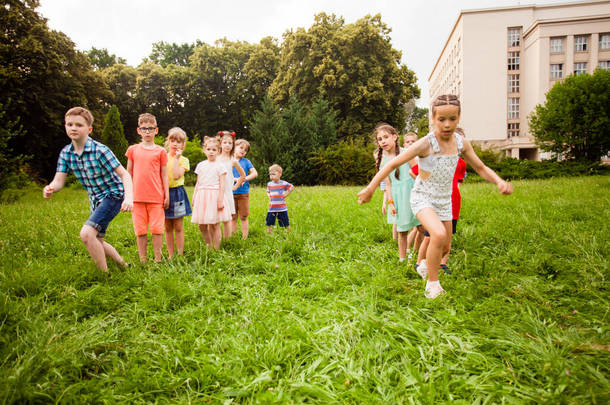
x,y
392,209
127,205
365,195
47,191
166,202
178,153
505,187
221,205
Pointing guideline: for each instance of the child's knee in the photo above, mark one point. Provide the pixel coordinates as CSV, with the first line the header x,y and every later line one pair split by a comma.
x,y
438,235
88,234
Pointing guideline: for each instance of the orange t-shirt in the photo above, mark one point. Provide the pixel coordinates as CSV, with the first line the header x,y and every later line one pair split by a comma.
x,y
147,179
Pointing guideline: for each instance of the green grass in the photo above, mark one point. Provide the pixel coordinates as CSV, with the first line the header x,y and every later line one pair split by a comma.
x,y
323,314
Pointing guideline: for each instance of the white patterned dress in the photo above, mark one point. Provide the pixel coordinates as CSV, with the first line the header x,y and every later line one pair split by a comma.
x,y
435,191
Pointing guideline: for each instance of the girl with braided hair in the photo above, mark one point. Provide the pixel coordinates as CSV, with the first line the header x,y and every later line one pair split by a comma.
x,y
431,195
398,185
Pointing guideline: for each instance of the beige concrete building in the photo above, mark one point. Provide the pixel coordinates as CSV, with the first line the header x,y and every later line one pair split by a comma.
x,y
502,61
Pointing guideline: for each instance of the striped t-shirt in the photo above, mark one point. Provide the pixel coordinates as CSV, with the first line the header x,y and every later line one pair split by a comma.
x,y
277,195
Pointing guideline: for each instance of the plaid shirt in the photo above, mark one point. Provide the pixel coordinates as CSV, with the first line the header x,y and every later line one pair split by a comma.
x,y
94,168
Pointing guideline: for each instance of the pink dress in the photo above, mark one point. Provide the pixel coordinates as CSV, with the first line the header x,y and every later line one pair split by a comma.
x,y
205,200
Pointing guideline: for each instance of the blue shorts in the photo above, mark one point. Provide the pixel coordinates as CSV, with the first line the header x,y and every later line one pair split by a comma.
x,y
282,218
103,212
179,205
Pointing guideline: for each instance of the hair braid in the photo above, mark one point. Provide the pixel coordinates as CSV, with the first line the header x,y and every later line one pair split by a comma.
x,y
379,156
397,152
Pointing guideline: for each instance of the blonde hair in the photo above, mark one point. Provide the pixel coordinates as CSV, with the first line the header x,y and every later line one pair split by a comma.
x,y
177,134
208,140
243,142
460,131
146,117
81,112
276,167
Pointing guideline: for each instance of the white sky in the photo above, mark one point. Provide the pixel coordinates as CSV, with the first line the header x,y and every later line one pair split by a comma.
x,y
128,28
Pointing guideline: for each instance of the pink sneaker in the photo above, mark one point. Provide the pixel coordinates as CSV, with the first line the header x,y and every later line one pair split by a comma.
x,y
422,269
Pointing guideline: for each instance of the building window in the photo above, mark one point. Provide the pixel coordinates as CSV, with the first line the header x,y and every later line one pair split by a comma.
x,y
513,61
556,45
513,107
513,129
580,67
580,43
513,83
514,37
604,64
604,41
557,71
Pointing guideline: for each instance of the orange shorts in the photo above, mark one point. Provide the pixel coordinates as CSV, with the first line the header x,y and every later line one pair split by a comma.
x,y
145,215
242,205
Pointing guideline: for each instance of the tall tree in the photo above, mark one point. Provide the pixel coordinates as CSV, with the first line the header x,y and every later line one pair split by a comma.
x,y
353,66
10,164
101,59
271,142
44,75
323,121
113,136
166,54
574,121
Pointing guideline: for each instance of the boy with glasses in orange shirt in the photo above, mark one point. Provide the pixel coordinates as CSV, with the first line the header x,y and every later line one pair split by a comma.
x,y
147,165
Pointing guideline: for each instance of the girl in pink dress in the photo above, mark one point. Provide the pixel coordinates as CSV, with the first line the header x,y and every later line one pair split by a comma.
x,y
210,203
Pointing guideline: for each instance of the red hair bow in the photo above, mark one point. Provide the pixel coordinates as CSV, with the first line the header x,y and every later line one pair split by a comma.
x,y
233,134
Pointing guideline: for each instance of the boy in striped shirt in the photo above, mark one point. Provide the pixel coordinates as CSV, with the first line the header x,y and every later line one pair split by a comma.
x,y
277,190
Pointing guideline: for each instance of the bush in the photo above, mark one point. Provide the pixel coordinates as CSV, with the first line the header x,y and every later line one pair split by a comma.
x,y
349,162
515,169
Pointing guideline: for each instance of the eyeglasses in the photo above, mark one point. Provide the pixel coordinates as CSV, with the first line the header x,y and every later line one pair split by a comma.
x,y
147,129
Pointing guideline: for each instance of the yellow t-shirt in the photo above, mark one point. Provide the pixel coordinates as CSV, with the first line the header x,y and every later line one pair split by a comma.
x,y
184,163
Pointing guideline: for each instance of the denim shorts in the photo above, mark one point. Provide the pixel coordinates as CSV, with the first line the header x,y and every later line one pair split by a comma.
x,y
282,218
104,212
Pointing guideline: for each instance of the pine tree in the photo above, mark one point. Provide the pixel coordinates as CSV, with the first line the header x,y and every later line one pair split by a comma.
x,y
270,142
113,135
323,121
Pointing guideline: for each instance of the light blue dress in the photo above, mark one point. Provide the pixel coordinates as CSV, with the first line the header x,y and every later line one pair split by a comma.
x,y
401,194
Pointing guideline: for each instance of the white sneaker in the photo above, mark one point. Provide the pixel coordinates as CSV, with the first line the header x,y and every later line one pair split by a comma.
x,y
434,291
422,269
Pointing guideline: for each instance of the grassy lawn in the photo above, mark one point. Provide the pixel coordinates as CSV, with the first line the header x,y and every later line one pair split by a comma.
x,y
323,314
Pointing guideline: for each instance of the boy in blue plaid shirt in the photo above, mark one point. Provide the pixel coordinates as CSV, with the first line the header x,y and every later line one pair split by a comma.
x,y
107,182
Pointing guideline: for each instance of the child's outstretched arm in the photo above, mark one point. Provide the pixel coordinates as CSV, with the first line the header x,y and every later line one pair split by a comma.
x,y
485,172
419,148
57,184
221,191
242,175
128,186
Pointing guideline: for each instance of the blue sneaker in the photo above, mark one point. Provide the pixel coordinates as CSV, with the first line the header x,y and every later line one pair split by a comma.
x,y
446,269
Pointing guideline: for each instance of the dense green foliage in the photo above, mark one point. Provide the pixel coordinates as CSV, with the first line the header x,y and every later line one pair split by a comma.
x,y
101,58
353,66
574,121
291,137
113,136
42,75
324,314
348,162
351,78
9,162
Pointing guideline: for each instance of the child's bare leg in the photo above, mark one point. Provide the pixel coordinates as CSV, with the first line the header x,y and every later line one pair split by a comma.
x,y
245,227
445,257
419,238
423,249
226,229
269,229
179,232
215,235
169,237
203,228
411,238
88,235
110,251
142,241
438,240
402,245
234,223
394,232
157,242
